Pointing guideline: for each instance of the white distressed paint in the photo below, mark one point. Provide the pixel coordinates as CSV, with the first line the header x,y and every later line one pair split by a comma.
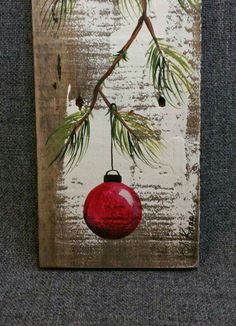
x,y
168,184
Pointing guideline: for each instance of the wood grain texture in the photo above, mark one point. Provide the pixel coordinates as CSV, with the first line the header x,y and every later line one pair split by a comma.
x,y
70,62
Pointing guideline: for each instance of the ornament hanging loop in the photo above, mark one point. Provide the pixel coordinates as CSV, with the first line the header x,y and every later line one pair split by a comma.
x,y
112,177
113,107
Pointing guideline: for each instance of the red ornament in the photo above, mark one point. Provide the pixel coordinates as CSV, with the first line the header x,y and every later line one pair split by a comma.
x,y
112,210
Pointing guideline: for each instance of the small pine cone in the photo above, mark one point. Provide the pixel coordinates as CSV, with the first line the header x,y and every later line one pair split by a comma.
x,y
79,102
161,101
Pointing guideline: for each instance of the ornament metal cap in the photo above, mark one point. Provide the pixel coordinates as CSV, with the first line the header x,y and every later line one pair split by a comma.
x,y
112,177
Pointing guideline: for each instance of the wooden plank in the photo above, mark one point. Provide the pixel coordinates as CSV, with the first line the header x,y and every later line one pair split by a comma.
x,y
68,62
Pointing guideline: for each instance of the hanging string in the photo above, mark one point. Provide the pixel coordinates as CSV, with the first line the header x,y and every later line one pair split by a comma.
x,y
112,107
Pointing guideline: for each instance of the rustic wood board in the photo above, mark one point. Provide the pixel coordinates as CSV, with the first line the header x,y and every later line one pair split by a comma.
x,y
69,62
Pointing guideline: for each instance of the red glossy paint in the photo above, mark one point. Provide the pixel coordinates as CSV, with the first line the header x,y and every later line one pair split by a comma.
x,y
112,210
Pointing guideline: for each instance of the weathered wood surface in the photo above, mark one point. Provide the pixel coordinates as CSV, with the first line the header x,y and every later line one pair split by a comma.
x,y
71,61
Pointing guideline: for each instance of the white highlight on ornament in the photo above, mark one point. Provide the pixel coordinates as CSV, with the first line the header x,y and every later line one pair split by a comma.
x,y
127,196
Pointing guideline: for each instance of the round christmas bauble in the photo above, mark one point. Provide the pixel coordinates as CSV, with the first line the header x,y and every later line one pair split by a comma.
x,y
112,210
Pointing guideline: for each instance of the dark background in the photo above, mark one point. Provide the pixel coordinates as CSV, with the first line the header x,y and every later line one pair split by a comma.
x,y
205,296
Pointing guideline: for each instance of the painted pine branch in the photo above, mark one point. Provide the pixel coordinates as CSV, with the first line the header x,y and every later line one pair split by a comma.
x,y
170,71
190,6
133,134
70,141
55,13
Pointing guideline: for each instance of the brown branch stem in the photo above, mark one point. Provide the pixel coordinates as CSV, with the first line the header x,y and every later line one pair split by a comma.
x,y
149,25
152,32
144,6
118,117
105,99
111,69
116,61
135,33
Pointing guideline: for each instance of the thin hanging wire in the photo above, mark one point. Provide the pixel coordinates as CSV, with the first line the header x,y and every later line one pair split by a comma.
x,y
113,106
